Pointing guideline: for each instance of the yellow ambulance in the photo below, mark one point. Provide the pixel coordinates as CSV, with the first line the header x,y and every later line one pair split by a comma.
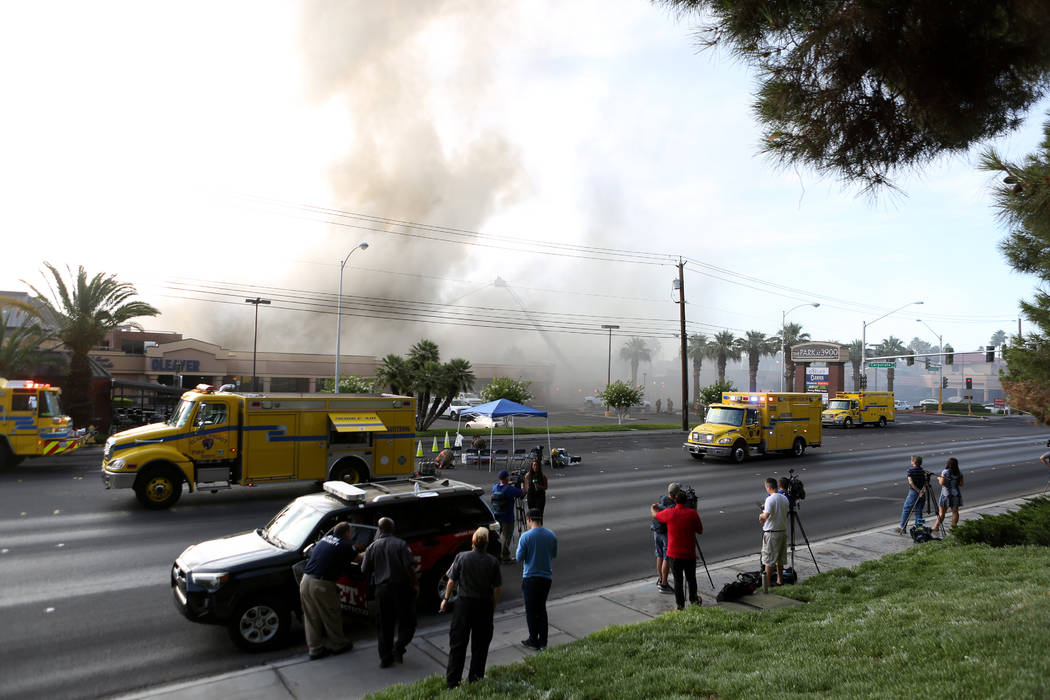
x,y
32,423
215,439
860,408
747,424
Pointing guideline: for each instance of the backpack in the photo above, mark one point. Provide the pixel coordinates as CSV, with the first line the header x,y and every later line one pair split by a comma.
x,y
745,584
500,502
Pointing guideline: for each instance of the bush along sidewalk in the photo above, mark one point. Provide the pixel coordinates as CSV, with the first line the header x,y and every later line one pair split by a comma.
x,y
965,620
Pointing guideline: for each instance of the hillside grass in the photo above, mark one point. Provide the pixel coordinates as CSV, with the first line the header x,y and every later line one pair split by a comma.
x,y
939,619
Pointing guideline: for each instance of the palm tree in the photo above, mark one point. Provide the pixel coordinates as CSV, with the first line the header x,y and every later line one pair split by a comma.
x,y
81,315
721,349
393,372
998,338
636,351
435,385
854,359
888,347
456,377
697,349
791,335
20,337
755,345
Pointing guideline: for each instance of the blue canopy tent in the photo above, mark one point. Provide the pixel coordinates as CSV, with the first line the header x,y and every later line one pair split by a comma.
x,y
502,408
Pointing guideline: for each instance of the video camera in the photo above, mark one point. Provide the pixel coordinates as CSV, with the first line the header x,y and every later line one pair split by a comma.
x,y
795,490
690,495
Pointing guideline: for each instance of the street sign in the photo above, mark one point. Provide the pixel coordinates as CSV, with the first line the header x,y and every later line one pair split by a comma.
x,y
882,364
999,402
934,368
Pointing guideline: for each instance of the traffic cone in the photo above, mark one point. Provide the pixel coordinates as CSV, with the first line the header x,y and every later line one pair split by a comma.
x,y
435,447
419,449
446,440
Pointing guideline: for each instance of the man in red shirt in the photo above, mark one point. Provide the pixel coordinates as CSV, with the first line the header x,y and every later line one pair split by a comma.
x,y
683,525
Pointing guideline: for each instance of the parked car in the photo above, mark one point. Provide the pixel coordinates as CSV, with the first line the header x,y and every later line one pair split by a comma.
x,y
461,405
593,402
928,402
248,582
486,422
901,405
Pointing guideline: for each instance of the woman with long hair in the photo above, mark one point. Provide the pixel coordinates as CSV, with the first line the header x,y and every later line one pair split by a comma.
x,y
536,486
951,495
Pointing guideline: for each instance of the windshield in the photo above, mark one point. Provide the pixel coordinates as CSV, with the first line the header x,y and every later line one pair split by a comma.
x,y
290,528
51,407
840,405
725,416
182,414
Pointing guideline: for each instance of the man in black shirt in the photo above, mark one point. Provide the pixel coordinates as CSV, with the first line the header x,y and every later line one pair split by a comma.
x,y
322,614
388,562
478,577
916,498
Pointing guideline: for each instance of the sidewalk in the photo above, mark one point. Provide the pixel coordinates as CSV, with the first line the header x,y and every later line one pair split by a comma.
x,y
357,673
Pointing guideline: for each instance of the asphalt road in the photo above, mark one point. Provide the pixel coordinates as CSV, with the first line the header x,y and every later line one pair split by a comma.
x,y
84,594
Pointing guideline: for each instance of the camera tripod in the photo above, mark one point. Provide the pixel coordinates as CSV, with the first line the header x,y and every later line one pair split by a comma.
x,y
796,519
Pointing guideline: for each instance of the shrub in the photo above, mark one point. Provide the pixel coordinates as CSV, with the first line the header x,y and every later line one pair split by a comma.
x,y
1028,525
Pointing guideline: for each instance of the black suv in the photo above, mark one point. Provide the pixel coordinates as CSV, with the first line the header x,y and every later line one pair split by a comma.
x,y
249,581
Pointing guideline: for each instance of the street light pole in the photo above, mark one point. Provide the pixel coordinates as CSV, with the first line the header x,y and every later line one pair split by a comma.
x,y
783,339
255,343
608,372
864,336
940,364
339,314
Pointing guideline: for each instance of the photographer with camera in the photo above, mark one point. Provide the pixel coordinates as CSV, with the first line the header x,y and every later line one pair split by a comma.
x,y
774,519
683,526
663,564
916,498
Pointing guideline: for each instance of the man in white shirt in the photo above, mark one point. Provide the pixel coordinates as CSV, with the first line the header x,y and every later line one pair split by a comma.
x,y
774,519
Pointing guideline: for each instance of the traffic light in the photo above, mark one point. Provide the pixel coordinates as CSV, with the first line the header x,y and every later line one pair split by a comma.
x,y
927,362
910,359
944,382
989,353
969,382
863,382
949,354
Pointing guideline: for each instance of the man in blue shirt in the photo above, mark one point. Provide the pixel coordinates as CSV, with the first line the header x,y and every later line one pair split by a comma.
x,y
916,498
537,548
322,614
503,495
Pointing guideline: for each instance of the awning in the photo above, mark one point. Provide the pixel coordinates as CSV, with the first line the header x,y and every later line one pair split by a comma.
x,y
357,422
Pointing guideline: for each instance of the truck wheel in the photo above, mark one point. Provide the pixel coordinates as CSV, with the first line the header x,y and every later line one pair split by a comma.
x,y
882,421
739,452
351,471
696,456
432,587
847,423
260,624
798,448
158,487
454,415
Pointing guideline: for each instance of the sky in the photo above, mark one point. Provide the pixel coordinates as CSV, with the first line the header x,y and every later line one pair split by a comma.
x,y
523,172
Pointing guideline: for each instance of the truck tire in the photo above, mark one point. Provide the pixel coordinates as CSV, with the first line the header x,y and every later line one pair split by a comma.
x,y
352,471
847,423
882,421
739,452
798,448
696,456
7,456
159,487
260,624
432,586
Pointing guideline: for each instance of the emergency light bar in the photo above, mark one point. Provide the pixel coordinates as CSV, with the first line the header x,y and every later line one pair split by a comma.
x,y
26,384
344,491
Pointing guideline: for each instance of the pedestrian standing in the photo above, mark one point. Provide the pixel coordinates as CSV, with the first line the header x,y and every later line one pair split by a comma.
x,y
951,479
774,519
1045,457
388,564
663,564
537,549
503,496
536,487
916,498
322,614
683,527
476,573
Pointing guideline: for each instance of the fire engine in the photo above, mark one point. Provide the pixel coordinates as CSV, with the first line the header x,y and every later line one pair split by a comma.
x,y
32,423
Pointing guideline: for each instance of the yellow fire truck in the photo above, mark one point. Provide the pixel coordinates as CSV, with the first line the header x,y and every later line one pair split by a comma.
x,y
857,408
744,425
215,439
32,423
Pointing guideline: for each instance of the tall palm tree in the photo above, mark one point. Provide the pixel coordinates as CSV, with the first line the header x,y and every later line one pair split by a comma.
x,y
697,349
20,337
434,384
721,349
81,314
854,359
636,351
791,335
394,373
456,377
755,345
888,347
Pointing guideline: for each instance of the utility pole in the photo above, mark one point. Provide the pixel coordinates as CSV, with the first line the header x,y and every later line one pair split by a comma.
x,y
685,344
255,343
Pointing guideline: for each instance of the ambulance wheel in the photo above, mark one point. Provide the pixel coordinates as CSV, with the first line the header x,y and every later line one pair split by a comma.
x,y
696,456
882,421
260,624
158,487
739,452
847,423
349,470
798,448
7,457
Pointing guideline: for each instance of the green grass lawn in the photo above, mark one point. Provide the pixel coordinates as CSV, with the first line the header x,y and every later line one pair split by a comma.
x,y
934,621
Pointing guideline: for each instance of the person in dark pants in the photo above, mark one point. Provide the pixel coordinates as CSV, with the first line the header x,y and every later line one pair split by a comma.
x,y
683,525
503,496
916,498
388,563
322,614
536,487
477,575
537,548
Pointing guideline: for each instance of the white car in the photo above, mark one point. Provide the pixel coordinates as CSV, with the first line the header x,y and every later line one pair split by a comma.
x,y
900,405
928,402
485,422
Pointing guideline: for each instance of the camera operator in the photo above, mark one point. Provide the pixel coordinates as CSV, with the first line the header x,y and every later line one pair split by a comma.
x,y
774,519
785,491
683,525
916,498
663,564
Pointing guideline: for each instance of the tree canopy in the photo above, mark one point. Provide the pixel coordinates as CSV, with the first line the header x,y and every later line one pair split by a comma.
x,y
516,390
621,396
860,90
434,384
